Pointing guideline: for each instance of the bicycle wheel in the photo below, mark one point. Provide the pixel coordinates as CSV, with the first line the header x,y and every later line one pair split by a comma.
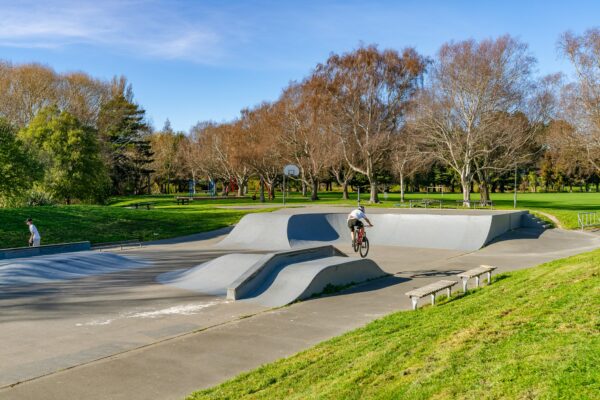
x,y
364,247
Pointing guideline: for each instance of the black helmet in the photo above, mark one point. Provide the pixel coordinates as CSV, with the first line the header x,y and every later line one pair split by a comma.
x,y
361,208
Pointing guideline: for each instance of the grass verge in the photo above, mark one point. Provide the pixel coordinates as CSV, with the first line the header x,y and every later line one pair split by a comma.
x,y
533,333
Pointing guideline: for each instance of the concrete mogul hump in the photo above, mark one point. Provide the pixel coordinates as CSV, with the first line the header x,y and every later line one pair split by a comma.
x,y
212,277
60,267
274,279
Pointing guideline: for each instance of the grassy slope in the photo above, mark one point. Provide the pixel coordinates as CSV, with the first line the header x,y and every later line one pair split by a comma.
x,y
532,334
113,223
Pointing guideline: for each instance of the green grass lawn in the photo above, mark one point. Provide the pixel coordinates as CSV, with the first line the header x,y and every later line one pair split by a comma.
x,y
532,334
100,224
115,222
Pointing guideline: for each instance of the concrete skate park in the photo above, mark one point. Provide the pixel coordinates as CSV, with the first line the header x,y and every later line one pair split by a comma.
x,y
171,317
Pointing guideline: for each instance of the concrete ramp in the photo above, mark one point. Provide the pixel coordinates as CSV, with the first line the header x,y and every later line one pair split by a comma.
x,y
60,267
439,230
303,280
274,279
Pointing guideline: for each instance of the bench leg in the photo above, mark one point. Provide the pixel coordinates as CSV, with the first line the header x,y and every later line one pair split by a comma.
x,y
449,292
433,299
414,302
464,282
489,277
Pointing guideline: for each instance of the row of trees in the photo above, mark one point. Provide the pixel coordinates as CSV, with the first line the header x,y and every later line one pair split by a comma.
x,y
475,110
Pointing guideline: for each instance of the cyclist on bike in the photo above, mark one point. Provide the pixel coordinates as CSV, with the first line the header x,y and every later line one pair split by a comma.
x,y
354,220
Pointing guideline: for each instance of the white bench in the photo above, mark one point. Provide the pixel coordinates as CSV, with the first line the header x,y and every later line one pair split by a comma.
x,y
430,290
476,273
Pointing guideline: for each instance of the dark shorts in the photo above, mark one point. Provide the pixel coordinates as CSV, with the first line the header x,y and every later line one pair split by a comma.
x,y
354,223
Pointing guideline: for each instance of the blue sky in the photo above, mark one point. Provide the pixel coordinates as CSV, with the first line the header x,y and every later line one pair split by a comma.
x,y
205,60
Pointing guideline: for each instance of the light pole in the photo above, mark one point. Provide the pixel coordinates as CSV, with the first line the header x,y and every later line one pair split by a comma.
x,y
515,195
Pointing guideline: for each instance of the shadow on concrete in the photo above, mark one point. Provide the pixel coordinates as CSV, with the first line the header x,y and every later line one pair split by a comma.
x,y
430,273
369,286
521,233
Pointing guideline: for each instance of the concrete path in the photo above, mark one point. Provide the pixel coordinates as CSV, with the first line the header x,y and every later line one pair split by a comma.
x,y
152,350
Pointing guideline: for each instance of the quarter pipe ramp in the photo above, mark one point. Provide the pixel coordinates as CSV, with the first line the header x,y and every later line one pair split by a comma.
x,y
454,231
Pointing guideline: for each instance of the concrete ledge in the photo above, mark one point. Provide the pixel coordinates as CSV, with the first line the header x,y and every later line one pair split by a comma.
x,y
20,252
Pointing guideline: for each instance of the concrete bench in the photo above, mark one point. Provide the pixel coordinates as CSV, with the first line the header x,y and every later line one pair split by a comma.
x,y
430,290
476,273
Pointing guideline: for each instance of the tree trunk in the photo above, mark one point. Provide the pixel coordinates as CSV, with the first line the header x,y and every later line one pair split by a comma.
x,y
345,195
402,188
262,190
314,195
465,184
304,190
373,198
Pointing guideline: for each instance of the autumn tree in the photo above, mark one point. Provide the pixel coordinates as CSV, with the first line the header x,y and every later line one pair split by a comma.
x,y
192,152
304,133
230,154
371,90
261,130
27,88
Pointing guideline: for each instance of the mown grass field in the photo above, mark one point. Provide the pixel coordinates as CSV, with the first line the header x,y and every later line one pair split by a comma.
x,y
101,224
116,222
532,334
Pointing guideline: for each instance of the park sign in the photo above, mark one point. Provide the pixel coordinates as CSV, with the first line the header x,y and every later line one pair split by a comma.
x,y
291,170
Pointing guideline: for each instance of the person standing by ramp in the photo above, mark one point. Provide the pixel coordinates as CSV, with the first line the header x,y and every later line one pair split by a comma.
x,y
35,239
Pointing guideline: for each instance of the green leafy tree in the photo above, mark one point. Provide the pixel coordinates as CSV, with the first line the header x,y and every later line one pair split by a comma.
x,y
125,134
17,169
70,156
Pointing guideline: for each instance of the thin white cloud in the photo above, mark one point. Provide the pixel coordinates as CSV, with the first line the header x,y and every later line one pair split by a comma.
x,y
148,29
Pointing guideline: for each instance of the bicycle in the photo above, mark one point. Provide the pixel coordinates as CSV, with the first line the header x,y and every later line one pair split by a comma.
x,y
360,243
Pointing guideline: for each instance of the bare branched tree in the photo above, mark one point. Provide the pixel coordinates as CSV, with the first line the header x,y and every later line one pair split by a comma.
x,y
472,112
581,99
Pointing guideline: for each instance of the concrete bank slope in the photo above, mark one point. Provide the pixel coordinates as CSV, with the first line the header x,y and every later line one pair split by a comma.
x,y
274,279
467,231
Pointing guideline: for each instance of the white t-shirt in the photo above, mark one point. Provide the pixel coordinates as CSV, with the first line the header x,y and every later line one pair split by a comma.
x,y
36,234
357,214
